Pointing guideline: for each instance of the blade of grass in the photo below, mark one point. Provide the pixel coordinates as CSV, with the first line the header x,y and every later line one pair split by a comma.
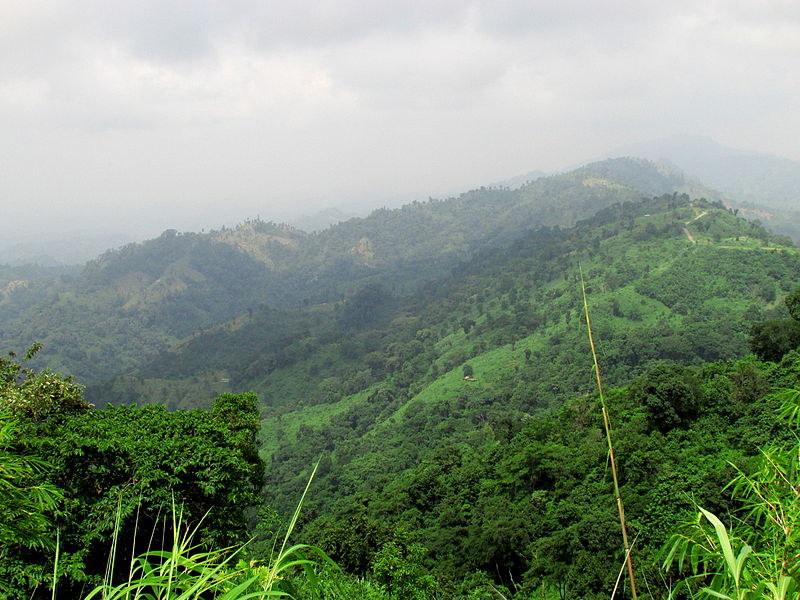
x,y
607,425
112,555
278,565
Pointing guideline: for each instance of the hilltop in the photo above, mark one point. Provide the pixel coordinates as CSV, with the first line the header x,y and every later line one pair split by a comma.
x,y
762,186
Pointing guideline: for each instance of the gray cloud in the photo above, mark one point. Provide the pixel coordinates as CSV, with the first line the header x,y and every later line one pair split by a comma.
x,y
167,113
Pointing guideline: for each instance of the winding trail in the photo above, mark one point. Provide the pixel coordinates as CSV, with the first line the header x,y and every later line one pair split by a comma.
x,y
690,221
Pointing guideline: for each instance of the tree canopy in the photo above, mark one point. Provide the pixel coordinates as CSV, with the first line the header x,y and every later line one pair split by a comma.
x,y
87,473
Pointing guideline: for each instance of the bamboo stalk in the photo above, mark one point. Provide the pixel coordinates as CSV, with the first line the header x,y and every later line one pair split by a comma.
x,y
607,425
55,564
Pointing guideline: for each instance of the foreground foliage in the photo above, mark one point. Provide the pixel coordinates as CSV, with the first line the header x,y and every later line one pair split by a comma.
x,y
26,505
520,510
82,475
758,554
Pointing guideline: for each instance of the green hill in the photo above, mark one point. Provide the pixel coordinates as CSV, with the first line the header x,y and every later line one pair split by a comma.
x,y
377,381
514,317
132,303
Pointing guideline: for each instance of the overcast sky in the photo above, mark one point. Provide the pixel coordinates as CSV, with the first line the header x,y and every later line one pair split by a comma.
x,y
155,114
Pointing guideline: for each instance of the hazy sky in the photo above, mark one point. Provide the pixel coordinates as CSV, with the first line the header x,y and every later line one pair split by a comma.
x,y
155,114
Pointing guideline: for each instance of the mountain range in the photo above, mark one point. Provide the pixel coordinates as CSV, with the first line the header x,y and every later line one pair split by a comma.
x,y
135,301
410,350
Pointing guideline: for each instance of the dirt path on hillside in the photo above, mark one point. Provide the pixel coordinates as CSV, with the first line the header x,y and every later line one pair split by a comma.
x,y
702,214
690,221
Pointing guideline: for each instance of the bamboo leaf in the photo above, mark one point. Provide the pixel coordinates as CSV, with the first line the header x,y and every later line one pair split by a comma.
x,y
716,594
740,560
724,543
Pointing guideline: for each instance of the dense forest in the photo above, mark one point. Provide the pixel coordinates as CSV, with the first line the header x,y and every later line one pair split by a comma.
x,y
428,371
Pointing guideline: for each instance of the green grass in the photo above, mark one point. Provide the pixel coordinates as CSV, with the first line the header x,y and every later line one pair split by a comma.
x,y
185,570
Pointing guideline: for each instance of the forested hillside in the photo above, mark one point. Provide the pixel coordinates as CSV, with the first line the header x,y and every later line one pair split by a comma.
x,y
527,504
501,340
133,302
659,296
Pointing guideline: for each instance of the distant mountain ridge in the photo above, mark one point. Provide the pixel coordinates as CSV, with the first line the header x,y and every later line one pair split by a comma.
x,y
742,175
765,187
56,251
132,302
322,219
520,180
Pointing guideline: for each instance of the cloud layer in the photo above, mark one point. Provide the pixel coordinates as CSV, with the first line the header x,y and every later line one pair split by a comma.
x,y
165,113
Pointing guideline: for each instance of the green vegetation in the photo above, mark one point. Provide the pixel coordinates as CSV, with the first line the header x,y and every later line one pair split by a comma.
x,y
757,557
433,363
25,505
512,316
538,503
132,303
86,473
775,337
526,513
